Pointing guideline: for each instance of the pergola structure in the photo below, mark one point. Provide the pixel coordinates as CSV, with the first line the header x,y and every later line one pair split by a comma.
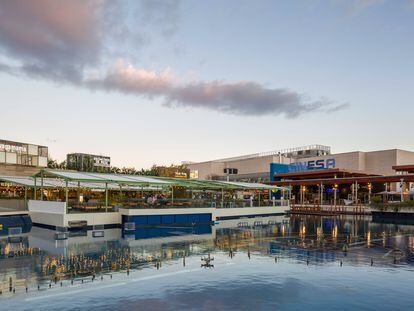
x,y
336,177
72,180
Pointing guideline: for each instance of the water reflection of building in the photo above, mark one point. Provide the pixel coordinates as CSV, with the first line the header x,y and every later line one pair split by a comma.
x,y
311,240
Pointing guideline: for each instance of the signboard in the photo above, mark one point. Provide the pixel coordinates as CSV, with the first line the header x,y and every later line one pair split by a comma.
x,y
320,164
16,148
312,165
102,161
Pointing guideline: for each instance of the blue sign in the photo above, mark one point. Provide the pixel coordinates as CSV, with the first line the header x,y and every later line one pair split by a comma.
x,y
313,165
321,164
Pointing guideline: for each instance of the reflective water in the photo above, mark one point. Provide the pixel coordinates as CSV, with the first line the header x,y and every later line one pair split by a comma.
x,y
274,263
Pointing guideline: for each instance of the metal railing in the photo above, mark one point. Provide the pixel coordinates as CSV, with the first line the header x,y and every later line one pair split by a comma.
x,y
75,207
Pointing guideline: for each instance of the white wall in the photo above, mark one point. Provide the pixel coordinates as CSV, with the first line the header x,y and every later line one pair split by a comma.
x,y
51,207
164,211
248,211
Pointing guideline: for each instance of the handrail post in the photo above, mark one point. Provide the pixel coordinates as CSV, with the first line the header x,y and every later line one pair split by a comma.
x,y
172,196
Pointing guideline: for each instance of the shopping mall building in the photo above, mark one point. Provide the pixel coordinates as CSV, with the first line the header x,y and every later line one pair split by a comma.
x,y
21,159
309,169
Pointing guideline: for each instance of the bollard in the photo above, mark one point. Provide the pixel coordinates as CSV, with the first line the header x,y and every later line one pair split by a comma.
x,y
61,284
101,277
111,276
307,262
14,290
71,282
38,287
50,285
372,262
184,261
82,281
127,271
340,263
275,259
26,289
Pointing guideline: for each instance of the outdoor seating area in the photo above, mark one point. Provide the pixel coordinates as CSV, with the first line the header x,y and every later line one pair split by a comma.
x,y
85,192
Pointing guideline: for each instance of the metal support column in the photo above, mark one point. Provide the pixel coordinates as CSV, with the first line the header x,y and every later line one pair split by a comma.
x,y
25,198
106,197
356,192
35,188
78,192
41,185
172,196
67,194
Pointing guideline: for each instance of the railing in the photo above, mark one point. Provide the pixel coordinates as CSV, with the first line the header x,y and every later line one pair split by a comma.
x,y
98,206
330,209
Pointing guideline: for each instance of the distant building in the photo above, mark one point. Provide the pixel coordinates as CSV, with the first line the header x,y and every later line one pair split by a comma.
x,y
252,167
21,159
300,162
88,162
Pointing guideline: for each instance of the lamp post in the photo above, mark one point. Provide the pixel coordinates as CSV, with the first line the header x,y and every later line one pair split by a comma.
x,y
369,192
302,197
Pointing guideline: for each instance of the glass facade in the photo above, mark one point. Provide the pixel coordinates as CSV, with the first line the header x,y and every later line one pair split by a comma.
x,y
16,153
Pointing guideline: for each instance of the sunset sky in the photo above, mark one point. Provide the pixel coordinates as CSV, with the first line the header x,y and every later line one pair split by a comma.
x,y
163,81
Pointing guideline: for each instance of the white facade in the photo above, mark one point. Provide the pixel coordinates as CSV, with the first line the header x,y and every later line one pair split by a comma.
x,y
258,168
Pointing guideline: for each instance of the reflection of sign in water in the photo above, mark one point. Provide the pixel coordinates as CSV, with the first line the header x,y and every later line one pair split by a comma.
x,y
101,161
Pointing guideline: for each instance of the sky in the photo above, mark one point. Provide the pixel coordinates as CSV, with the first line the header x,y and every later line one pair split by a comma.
x,y
164,81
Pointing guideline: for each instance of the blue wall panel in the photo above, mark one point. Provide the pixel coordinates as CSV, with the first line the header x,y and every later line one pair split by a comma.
x,y
167,219
154,220
157,220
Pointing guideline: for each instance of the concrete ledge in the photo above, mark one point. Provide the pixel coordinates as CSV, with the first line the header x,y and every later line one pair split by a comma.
x,y
165,211
232,213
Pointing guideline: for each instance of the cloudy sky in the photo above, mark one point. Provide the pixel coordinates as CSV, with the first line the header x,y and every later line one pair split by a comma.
x,y
160,81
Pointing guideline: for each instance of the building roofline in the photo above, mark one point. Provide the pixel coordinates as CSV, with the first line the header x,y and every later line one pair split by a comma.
x,y
23,143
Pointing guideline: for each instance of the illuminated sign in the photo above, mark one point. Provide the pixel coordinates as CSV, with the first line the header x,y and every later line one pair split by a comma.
x,y
320,164
178,174
13,148
313,165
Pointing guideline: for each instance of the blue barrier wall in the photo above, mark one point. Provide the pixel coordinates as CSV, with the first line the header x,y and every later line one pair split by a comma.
x,y
17,221
165,220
